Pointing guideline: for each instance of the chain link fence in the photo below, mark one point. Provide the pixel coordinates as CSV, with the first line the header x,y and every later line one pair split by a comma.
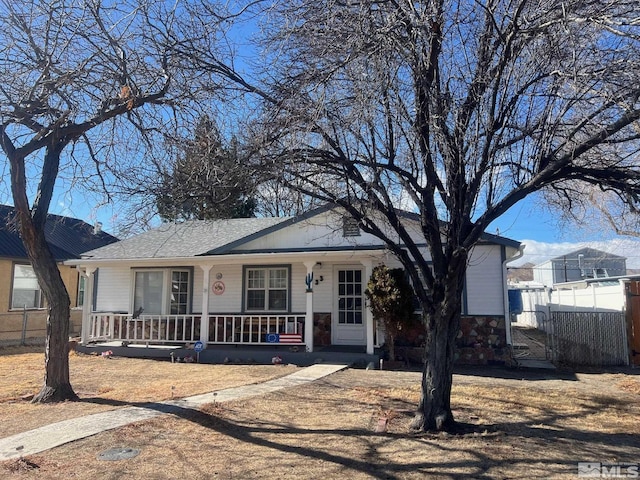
x,y
589,338
29,327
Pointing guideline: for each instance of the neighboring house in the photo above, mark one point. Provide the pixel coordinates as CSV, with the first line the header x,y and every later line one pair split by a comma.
x,y
579,265
298,281
22,305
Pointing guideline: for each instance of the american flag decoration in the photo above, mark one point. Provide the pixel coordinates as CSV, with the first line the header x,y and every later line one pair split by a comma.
x,y
290,338
284,338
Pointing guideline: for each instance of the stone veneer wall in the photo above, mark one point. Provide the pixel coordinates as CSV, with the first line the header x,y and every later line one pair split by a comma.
x,y
482,340
321,329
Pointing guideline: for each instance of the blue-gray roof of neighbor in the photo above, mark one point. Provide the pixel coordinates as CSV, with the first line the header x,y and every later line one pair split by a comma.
x,y
67,237
186,239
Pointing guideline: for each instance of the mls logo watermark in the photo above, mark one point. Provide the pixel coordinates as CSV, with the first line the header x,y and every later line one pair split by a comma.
x,y
608,470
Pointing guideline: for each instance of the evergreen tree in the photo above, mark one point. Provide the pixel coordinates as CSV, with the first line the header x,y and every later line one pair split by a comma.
x,y
208,180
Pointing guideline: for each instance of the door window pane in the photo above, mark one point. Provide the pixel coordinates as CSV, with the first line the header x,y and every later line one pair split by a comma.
x,y
179,292
350,297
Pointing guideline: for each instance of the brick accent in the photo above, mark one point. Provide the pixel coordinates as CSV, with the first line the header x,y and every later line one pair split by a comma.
x,y
321,329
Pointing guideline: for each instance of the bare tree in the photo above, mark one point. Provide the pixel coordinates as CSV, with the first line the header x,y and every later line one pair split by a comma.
x,y
459,109
85,87
597,209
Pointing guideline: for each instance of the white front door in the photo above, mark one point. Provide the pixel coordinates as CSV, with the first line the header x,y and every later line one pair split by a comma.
x,y
348,318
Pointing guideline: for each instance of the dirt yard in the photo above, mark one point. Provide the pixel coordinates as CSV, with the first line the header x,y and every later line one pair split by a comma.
x,y
353,424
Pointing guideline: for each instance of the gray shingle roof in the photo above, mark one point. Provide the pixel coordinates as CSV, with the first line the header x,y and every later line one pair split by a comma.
x,y
187,239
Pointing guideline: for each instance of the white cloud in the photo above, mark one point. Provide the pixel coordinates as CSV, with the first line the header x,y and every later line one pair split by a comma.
x,y
537,252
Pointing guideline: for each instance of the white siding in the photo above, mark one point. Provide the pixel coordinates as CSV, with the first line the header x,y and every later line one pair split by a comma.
x,y
198,277
485,285
298,288
319,232
323,292
231,300
114,289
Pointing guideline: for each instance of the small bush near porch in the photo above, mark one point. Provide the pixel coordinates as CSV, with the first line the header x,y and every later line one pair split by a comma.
x,y
353,424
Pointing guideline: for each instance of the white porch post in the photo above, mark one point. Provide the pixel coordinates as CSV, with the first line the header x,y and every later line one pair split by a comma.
x,y
204,319
368,314
87,303
308,319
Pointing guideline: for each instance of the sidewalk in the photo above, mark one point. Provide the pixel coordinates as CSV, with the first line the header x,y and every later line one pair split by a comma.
x,y
56,434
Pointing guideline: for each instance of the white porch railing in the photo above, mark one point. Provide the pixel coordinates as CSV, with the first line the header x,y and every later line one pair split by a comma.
x,y
256,329
146,328
223,329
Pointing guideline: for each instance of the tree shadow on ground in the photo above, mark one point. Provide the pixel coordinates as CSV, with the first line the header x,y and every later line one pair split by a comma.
x,y
447,456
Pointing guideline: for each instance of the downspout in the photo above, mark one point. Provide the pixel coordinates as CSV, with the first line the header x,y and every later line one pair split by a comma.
x,y
505,294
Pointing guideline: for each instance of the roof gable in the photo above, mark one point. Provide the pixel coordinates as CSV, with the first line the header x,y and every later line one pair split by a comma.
x,y
218,237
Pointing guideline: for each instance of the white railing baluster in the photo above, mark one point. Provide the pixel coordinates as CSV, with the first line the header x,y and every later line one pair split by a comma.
x,y
228,329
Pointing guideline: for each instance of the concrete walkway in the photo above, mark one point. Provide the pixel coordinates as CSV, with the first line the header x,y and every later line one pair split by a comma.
x,y
56,434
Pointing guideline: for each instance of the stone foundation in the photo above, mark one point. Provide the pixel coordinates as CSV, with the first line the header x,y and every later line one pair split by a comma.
x,y
482,340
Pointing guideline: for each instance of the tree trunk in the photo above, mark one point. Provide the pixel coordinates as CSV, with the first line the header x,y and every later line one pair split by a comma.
x,y
392,347
443,324
57,386
32,227
434,409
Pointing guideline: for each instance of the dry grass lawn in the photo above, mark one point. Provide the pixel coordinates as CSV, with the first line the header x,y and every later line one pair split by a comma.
x,y
353,424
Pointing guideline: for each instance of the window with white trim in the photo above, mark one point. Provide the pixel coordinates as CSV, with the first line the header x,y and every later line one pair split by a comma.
x,y
26,292
267,289
162,291
81,290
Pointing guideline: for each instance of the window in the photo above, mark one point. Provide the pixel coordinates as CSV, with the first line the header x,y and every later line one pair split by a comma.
x,y
416,302
26,291
162,291
267,289
81,289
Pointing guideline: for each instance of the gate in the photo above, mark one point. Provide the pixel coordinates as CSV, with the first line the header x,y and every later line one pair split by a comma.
x,y
530,337
632,289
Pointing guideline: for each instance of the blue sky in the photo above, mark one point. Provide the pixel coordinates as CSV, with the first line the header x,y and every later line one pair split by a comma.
x,y
544,236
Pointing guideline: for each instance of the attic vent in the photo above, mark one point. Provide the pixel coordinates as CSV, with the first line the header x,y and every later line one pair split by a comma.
x,y
350,227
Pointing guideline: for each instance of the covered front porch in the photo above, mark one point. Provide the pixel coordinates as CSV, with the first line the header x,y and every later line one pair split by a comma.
x,y
323,303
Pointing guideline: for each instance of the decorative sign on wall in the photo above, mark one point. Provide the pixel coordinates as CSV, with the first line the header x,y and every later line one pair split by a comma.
x,y
218,287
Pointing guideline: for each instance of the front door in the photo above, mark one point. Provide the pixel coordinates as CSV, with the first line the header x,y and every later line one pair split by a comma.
x,y
348,324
